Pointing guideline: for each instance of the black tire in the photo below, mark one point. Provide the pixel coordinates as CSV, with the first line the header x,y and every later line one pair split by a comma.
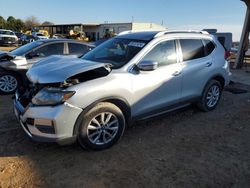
x,y
87,132
16,80
206,104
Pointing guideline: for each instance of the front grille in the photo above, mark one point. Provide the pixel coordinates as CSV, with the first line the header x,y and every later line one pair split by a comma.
x,y
8,39
27,93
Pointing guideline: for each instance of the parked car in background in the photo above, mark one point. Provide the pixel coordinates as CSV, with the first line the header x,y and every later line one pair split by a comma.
x,y
58,36
39,35
25,39
234,51
19,35
129,77
14,64
8,37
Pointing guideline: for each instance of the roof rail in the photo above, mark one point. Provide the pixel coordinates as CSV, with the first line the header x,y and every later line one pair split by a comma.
x,y
179,31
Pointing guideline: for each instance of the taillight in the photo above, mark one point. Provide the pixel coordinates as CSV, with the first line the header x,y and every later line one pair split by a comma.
x,y
227,55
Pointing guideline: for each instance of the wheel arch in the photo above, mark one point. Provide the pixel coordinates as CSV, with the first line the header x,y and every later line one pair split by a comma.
x,y
121,103
219,78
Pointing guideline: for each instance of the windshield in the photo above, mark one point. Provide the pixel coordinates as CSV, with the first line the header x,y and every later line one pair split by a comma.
x,y
116,51
25,48
6,33
39,34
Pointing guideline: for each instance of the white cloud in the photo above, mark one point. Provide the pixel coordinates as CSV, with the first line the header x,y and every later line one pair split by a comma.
x,y
235,29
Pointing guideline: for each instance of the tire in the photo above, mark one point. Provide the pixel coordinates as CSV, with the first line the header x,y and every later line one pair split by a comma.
x,y
8,82
210,96
101,127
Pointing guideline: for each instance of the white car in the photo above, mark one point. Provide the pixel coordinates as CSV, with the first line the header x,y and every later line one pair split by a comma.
x,y
39,35
7,37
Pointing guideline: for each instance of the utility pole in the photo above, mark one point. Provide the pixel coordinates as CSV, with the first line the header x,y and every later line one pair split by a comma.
x,y
244,38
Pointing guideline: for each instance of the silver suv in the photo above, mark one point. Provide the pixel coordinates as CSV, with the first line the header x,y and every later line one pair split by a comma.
x,y
130,77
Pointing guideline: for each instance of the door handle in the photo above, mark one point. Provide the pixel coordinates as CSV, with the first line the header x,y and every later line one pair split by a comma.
x,y
176,73
208,64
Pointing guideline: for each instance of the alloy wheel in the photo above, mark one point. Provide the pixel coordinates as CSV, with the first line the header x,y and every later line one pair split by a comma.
x,y
213,96
8,83
103,128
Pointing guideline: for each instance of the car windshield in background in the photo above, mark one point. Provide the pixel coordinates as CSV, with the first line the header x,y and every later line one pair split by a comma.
x,y
39,34
116,51
6,33
25,48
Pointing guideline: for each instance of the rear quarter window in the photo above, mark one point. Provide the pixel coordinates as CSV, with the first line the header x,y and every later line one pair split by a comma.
x,y
192,49
77,49
209,46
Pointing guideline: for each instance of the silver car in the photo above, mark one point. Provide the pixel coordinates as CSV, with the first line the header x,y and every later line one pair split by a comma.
x,y
130,77
14,64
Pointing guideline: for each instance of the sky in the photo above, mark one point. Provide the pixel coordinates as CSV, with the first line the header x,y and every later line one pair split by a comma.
x,y
224,15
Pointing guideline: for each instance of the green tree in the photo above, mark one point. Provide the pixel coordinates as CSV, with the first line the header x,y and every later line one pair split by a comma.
x,y
11,19
10,24
19,25
2,22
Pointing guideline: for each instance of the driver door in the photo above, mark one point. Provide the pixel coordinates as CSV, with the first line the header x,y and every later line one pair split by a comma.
x,y
45,51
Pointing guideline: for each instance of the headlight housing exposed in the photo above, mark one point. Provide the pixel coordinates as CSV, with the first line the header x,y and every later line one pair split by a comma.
x,y
51,96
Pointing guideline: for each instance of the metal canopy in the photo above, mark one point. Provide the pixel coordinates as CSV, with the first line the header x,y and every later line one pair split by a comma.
x,y
244,38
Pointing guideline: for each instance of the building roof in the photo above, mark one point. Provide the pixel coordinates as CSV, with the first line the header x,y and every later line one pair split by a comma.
x,y
75,24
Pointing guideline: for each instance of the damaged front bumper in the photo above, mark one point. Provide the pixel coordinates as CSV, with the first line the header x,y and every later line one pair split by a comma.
x,y
47,123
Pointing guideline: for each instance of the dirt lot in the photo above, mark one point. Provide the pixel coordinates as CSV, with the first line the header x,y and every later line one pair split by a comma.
x,y
187,148
6,48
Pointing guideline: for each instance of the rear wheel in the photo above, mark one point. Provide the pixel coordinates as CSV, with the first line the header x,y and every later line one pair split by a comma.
x,y
211,96
102,127
8,83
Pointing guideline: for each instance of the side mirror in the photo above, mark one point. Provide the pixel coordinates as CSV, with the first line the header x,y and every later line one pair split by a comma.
x,y
147,65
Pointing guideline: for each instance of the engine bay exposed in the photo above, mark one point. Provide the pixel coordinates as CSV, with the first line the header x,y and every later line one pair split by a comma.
x,y
28,90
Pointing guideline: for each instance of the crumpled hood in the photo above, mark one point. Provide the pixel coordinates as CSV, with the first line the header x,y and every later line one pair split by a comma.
x,y
56,69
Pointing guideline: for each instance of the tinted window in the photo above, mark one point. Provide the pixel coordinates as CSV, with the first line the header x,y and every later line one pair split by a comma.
x,y
51,49
164,53
192,49
209,46
77,49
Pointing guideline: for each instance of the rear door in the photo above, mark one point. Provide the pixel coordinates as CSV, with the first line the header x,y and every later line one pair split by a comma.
x,y
77,49
197,66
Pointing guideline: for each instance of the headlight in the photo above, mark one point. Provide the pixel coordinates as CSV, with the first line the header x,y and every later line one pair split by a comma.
x,y
51,96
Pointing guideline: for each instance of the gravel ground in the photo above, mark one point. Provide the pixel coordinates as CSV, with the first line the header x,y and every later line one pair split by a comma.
x,y
187,148
7,48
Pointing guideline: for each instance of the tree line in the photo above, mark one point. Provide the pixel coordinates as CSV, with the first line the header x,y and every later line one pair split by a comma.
x,y
19,25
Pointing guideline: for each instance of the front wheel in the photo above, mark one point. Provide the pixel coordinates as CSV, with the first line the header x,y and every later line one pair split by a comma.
x,y
210,96
8,83
101,127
